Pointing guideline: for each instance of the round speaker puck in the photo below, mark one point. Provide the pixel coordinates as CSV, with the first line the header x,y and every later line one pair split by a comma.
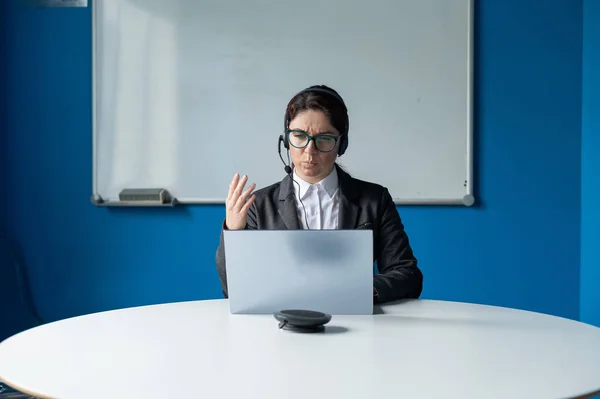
x,y
299,320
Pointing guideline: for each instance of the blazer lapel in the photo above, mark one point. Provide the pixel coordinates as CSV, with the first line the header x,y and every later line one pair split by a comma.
x,y
287,204
349,211
348,214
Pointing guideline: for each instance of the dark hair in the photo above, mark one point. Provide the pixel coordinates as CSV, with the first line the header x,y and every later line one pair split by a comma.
x,y
323,99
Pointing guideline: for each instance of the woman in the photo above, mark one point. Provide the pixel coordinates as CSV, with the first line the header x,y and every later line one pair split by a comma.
x,y
318,194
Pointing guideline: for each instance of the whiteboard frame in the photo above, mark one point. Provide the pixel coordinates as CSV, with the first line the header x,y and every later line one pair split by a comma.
x,y
96,199
467,200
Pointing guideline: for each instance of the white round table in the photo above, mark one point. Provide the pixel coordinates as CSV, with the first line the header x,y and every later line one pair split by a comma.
x,y
412,349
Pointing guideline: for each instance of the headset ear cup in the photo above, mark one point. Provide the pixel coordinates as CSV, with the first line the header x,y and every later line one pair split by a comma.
x,y
344,138
343,144
285,141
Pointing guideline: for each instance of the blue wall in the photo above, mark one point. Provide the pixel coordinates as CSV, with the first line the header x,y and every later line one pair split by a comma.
x,y
519,248
590,173
15,310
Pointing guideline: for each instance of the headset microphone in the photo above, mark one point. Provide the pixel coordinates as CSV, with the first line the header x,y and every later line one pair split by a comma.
x,y
287,168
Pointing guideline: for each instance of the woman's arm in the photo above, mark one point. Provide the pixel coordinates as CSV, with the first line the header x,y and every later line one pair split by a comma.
x,y
399,276
251,224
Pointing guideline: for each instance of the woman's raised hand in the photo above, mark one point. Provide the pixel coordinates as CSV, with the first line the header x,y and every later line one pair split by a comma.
x,y
238,203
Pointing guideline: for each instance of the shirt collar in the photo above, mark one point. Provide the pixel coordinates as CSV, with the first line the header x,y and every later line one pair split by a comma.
x,y
329,184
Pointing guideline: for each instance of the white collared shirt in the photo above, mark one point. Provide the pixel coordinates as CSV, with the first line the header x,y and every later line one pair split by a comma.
x,y
321,201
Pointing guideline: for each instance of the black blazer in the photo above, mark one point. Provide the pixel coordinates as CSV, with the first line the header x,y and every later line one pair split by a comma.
x,y
361,204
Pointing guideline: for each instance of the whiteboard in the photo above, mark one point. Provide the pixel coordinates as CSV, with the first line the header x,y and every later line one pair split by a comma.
x,y
189,92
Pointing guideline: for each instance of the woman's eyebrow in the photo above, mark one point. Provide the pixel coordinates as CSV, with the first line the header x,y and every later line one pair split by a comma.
x,y
328,133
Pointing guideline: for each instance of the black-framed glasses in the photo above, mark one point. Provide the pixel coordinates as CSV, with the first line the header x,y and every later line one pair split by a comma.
x,y
300,139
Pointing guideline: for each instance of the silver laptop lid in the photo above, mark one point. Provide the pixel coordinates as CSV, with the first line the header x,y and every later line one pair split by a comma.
x,y
329,271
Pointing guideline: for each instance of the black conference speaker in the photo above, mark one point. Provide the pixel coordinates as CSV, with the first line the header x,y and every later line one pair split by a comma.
x,y
306,321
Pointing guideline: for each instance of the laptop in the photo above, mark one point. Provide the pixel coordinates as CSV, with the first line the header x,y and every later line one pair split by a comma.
x,y
328,271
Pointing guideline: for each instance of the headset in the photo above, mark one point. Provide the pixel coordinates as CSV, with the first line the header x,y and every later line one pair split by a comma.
x,y
343,134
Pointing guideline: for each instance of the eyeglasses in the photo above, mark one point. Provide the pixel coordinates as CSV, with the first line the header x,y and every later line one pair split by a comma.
x,y
300,139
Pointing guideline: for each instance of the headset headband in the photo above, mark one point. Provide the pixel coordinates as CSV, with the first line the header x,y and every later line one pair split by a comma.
x,y
326,91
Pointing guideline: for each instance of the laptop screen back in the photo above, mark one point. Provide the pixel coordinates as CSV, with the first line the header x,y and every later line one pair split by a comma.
x,y
329,271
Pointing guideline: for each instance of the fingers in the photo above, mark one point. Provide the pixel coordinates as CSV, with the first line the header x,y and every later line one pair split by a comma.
x,y
248,203
242,199
235,189
233,185
236,199
240,186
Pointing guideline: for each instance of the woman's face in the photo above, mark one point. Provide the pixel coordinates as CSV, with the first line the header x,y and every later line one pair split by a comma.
x,y
311,164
